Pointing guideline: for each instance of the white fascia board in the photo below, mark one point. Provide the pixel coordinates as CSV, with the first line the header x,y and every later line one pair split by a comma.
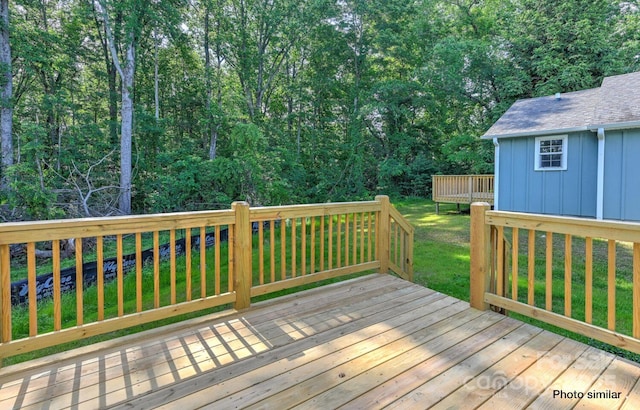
x,y
615,126
539,133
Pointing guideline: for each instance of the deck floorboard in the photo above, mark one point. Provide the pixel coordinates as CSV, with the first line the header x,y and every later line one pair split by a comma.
x,y
371,342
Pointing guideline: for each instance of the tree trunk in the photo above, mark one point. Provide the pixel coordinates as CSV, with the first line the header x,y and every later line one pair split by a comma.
x,y
126,132
156,80
214,121
6,93
207,72
126,73
113,100
112,80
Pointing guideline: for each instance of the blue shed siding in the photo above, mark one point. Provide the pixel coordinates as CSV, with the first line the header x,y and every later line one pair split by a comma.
x,y
622,175
569,192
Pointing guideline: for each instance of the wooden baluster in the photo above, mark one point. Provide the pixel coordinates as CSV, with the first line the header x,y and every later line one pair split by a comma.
x,y
138,272
313,245
283,249
272,249
354,236
611,285
322,238
156,269
31,279
231,232
402,259
588,280
100,274
395,241
346,240
120,275
294,222
303,247
531,267
500,274
362,237
216,273
636,290
339,242
369,235
187,263
549,273
261,252
330,256
57,286
567,275
79,283
172,265
514,262
203,262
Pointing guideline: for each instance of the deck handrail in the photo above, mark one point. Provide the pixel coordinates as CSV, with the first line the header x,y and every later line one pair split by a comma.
x,y
269,249
545,280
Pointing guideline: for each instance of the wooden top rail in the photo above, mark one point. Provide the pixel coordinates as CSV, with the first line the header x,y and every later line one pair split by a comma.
x,y
615,230
406,226
36,231
301,211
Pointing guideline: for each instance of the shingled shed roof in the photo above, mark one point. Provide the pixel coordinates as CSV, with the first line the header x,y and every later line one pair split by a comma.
x,y
619,100
615,104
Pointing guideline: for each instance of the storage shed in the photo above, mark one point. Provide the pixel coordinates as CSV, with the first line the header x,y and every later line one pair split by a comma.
x,y
574,154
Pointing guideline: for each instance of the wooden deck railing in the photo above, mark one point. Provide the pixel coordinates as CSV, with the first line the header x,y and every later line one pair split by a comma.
x,y
462,189
579,274
268,249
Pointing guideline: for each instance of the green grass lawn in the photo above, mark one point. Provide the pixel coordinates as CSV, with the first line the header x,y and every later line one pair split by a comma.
x,y
441,246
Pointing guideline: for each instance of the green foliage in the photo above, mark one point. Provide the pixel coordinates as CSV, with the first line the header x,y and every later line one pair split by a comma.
x,y
28,193
188,182
562,46
469,154
308,101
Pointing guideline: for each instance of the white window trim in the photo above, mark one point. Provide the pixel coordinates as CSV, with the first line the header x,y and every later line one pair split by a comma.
x,y
563,167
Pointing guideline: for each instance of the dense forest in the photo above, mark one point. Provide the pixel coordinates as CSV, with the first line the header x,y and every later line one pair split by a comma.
x,y
136,106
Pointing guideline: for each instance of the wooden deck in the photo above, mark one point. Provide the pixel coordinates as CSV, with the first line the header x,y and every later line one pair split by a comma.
x,y
462,189
372,342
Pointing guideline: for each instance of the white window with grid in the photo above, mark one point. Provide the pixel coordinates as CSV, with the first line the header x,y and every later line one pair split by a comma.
x,y
551,153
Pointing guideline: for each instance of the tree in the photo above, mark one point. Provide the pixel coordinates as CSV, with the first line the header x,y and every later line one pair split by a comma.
x,y
561,46
265,33
214,112
6,93
110,71
126,71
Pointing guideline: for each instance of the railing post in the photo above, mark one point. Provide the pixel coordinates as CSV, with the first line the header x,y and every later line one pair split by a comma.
x,y
480,255
242,249
383,233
